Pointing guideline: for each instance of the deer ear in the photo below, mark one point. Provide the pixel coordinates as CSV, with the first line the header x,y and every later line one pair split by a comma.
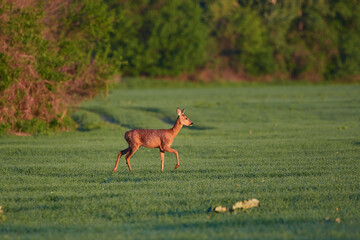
x,y
178,111
182,112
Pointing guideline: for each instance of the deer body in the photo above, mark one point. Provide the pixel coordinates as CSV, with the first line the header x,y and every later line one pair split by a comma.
x,y
154,138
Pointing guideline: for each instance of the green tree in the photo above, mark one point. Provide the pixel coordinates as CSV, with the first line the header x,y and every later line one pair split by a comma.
x,y
278,19
159,38
310,39
345,62
241,35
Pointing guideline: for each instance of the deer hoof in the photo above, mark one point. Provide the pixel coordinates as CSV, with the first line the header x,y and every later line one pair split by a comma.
x,y
176,166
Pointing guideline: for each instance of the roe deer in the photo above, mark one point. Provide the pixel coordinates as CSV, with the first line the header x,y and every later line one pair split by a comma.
x,y
154,138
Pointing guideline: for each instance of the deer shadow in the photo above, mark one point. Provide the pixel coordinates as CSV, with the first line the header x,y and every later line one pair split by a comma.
x,y
168,119
158,112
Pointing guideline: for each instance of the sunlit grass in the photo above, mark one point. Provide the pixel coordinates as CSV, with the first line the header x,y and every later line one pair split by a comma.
x,y
295,148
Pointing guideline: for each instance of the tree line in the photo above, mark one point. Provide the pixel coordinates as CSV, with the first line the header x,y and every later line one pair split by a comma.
x,y
55,53
312,40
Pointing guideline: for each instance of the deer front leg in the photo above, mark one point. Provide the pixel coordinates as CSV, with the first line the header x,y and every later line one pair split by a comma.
x,y
169,149
162,153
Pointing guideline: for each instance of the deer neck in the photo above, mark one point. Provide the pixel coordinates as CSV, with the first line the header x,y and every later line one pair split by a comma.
x,y
177,127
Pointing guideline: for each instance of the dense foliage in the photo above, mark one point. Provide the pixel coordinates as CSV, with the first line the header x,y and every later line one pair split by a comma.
x,y
52,55
301,40
159,38
55,53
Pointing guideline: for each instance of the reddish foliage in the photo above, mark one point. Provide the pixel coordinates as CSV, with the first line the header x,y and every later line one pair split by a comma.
x,y
30,96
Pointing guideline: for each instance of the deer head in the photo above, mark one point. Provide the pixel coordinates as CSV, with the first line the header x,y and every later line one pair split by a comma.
x,y
184,120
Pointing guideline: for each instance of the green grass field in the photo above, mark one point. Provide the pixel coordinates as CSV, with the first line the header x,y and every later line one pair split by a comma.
x,y
294,148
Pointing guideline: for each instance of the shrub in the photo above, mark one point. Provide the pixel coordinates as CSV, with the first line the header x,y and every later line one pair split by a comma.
x,y
55,54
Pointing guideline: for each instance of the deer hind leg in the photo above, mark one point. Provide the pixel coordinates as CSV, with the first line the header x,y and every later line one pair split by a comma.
x,y
162,154
169,149
132,150
119,156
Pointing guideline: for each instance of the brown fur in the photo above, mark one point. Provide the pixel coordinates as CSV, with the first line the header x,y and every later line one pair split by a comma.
x,y
154,138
